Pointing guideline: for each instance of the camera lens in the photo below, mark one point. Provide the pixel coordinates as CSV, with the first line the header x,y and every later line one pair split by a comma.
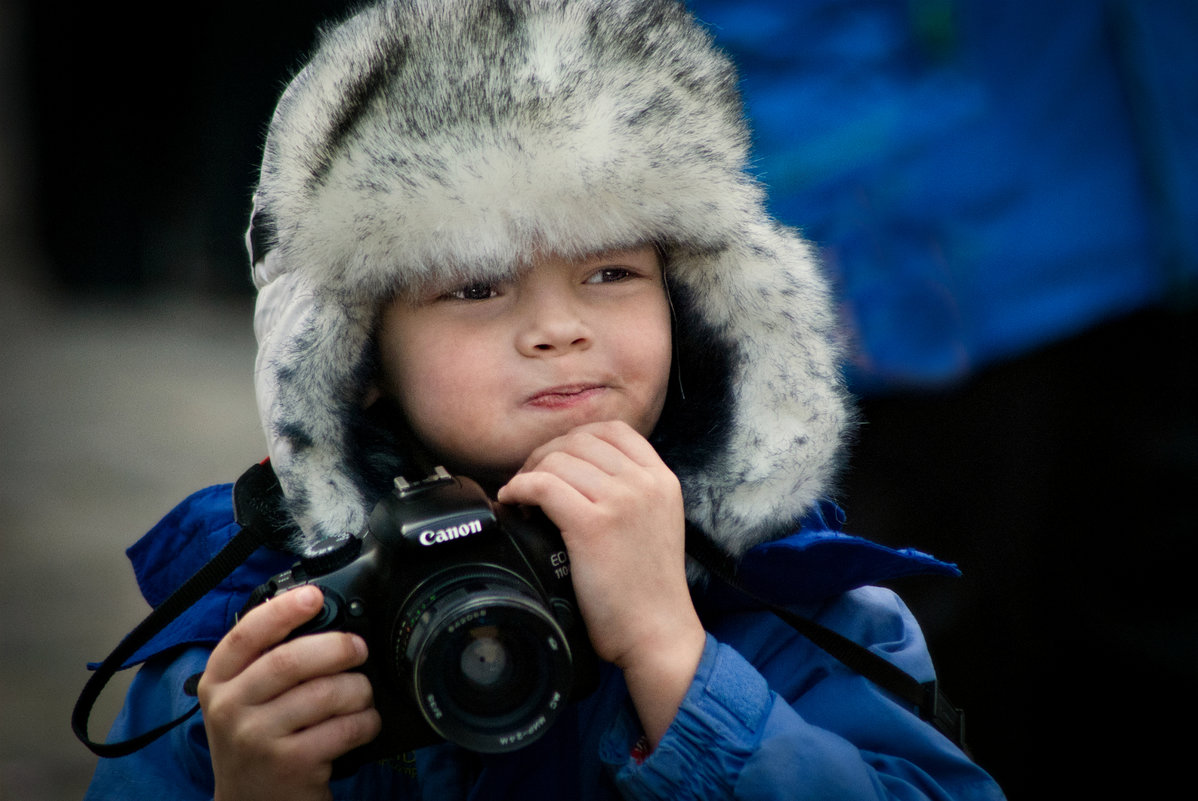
x,y
484,660
497,671
489,666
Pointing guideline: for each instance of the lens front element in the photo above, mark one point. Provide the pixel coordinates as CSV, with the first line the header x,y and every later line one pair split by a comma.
x,y
484,660
490,667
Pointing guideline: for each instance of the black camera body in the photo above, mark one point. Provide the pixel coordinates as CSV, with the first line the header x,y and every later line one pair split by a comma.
x,y
468,611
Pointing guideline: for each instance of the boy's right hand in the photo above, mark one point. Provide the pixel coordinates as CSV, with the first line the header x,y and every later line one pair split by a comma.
x,y
278,712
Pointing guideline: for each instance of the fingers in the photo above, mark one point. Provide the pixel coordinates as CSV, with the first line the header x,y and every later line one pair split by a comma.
x,y
556,497
620,512
278,711
574,477
255,654
253,758
583,462
319,701
605,444
263,628
301,660
334,737
595,477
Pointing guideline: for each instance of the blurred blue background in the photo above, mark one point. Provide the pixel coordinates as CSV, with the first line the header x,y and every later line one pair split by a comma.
x,y
1006,196
983,177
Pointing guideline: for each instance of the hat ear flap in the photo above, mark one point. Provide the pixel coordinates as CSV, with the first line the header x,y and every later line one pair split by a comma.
x,y
694,426
312,372
758,435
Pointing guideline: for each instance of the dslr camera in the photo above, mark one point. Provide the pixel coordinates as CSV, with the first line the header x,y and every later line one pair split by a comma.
x,y
469,613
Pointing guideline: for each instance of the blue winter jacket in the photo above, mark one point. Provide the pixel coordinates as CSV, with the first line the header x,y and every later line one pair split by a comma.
x,y
767,716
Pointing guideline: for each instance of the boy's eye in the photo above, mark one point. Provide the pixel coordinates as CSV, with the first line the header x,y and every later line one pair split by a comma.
x,y
609,275
477,291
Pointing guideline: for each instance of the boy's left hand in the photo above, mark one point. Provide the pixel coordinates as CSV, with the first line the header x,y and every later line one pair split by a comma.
x,y
620,512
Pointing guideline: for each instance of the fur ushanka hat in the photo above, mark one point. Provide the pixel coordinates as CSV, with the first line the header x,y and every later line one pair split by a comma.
x,y
429,139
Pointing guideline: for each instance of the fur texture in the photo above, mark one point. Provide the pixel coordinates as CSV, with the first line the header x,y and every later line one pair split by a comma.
x,y
432,139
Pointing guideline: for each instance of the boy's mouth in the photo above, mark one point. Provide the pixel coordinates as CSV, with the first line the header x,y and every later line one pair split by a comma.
x,y
564,396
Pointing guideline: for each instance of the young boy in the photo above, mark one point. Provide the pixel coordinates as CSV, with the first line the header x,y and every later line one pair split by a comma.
x,y
523,232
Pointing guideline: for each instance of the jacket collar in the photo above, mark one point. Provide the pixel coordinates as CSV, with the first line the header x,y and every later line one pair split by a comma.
x,y
819,561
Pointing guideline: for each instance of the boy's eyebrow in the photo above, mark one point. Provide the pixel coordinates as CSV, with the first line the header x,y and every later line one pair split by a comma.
x,y
461,277
615,252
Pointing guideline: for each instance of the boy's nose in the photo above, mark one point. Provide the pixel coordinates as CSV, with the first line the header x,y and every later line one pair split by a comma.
x,y
553,327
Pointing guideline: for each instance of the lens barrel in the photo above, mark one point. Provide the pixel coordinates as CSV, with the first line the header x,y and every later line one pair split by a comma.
x,y
486,662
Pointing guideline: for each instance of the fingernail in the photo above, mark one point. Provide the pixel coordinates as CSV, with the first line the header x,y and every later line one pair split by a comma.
x,y
308,595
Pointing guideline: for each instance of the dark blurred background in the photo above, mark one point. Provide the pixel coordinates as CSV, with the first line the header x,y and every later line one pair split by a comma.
x,y
1006,195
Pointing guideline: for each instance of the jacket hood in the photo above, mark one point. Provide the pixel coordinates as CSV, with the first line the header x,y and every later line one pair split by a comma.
x,y
446,139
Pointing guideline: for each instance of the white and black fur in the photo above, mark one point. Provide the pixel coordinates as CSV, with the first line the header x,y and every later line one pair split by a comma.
x,y
436,139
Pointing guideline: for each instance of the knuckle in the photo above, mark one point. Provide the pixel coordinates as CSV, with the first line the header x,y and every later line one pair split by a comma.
x,y
218,707
584,432
243,735
345,692
204,691
321,694
290,751
362,727
213,708
237,638
532,484
554,460
361,689
284,661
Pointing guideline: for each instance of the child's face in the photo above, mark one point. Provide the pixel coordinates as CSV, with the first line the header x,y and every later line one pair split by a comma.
x,y
487,372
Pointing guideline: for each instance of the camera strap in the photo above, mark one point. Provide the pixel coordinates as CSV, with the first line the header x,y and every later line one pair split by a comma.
x,y
255,503
926,698
256,496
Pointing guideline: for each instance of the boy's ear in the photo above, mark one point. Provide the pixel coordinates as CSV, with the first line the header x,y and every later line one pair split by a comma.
x,y
373,393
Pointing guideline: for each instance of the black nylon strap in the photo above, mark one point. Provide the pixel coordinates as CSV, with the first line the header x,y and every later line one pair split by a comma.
x,y
255,502
925,697
257,530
